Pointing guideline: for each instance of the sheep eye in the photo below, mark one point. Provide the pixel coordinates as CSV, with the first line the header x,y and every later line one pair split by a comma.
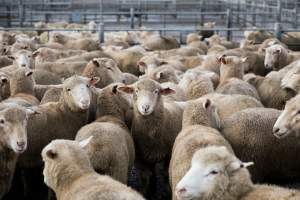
x,y
156,91
109,68
136,91
214,172
298,112
29,56
68,89
2,121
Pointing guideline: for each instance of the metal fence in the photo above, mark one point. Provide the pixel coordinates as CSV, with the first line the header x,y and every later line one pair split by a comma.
x,y
175,16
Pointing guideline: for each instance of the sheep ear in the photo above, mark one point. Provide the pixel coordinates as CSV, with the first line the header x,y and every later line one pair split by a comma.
x,y
244,59
222,59
159,75
126,89
51,154
95,62
166,91
85,142
236,165
35,54
142,66
207,103
32,111
93,81
115,89
4,79
29,73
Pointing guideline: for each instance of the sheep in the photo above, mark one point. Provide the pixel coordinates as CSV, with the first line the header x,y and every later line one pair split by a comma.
x,y
21,85
111,151
231,66
46,54
150,62
69,42
158,42
126,59
193,137
71,112
86,56
43,77
270,92
226,104
153,130
164,73
13,141
278,57
69,173
5,61
258,36
195,85
108,72
63,69
149,111
237,86
249,131
216,173
291,79
217,40
22,58
7,38
113,107
287,122
192,61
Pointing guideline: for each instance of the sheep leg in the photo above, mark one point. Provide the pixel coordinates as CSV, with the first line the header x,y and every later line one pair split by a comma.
x,y
163,190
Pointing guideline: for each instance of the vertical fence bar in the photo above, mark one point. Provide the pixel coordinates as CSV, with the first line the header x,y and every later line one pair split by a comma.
x,y
101,32
21,12
279,10
132,18
228,23
253,13
277,30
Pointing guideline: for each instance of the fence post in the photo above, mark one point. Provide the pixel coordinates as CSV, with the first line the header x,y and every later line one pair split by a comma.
x,y
296,15
21,12
228,23
279,11
101,32
132,18
253,13
277,30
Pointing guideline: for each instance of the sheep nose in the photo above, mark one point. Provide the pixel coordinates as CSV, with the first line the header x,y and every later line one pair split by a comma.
x,y
145,107
21,144
23,65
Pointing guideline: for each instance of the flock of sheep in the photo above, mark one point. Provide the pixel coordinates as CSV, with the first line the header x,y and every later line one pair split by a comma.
x,y
181,122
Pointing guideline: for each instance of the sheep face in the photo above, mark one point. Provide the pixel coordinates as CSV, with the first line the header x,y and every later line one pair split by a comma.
x,y
22,77
146,95
7,38
289,120
209,177
273,56
24,58
77,93
62,157
233,63
149,63
13,128
106,68
291,81
58,38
